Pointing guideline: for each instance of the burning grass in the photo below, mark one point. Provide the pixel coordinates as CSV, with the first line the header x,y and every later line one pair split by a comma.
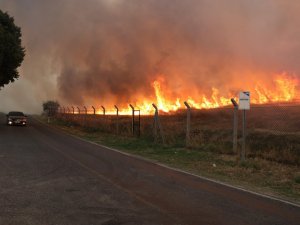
x,y
280,88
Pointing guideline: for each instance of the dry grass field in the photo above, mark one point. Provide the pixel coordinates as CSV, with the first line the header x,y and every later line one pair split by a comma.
x,y
273,131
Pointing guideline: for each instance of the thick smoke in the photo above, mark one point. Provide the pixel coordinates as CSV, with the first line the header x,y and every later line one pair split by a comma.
x,y
99,51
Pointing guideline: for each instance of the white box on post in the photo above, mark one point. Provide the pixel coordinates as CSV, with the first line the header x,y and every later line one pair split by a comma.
x,y
244,100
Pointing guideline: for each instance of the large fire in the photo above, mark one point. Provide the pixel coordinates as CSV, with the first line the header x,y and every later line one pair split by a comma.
x,y
281,89
285,91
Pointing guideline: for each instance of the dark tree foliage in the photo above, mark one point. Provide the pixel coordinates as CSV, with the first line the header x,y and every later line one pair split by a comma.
x,y
50,107
11,51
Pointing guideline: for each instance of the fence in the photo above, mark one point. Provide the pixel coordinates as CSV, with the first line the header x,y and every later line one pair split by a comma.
x,y
273,131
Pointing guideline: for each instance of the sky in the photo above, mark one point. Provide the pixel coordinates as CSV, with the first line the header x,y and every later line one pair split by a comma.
x,y
103,51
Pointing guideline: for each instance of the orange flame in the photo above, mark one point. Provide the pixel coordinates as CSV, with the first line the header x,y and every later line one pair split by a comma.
x,y
162,103
282,89
285,91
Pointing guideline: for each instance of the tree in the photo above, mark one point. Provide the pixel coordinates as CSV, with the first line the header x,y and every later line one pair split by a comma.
x,y
50,107
11,51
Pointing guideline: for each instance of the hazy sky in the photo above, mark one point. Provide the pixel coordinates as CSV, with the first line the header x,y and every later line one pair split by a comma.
x,y
79,52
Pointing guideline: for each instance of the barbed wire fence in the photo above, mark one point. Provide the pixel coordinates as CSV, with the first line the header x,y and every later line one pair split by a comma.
x,y
273,130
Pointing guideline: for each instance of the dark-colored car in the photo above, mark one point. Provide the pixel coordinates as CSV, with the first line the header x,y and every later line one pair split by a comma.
x,y
16,118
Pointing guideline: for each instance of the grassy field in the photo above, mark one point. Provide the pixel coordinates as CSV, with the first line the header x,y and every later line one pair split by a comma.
x,y
273,132
272,165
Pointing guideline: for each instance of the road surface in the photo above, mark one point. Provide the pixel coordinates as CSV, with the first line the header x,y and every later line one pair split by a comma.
x,y
49,177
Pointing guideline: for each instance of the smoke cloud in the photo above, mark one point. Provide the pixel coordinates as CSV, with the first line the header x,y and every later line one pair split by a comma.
x,y
104,51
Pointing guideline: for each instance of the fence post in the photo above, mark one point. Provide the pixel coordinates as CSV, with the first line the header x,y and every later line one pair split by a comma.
x,y
103,108
79,115
188,124
68,112
64,112
139,123
117,109
94,109
157,126
73,109
235,127
85,115
155,123
132,124
244,137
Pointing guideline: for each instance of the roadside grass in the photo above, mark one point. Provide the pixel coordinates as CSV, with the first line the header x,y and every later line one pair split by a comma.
x,y
256,174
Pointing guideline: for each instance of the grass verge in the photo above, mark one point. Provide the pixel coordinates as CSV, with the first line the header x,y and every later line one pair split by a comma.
x,y
263,176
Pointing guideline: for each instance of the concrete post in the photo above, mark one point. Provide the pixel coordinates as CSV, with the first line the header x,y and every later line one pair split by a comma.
x,y
235,127
117,111
103,108
132,124
85,115
244,137
157,126
94,110
188,124
155,131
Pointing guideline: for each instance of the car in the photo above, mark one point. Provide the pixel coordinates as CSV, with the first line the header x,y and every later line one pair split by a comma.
x,y
16,118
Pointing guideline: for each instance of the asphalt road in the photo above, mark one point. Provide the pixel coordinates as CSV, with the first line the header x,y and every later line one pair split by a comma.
x,y
48,177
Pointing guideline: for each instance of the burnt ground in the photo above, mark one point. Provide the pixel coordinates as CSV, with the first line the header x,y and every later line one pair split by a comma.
x,y
48,177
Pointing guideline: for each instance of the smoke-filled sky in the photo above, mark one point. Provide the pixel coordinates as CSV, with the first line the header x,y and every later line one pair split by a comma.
x,y
100,51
